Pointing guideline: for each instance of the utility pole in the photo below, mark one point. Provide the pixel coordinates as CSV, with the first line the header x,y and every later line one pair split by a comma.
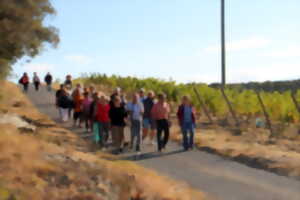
x,y
223,44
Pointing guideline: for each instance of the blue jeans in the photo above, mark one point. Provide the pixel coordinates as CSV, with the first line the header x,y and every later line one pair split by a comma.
x,y
188,133
136,126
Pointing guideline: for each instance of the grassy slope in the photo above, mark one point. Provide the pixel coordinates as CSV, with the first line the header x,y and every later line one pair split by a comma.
x,y
51,163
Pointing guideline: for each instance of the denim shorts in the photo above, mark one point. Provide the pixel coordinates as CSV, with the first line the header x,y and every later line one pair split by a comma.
x,y
149,123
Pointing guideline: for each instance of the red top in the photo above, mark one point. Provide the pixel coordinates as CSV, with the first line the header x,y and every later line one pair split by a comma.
x,y
102,114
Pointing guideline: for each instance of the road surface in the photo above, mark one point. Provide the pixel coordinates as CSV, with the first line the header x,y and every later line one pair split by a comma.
x,y
221,179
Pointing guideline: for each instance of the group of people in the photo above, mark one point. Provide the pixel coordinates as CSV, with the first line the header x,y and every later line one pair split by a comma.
x,y
146,115
25,80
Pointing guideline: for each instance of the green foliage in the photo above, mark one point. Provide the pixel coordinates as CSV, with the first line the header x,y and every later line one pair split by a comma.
x,y
245,102
23,32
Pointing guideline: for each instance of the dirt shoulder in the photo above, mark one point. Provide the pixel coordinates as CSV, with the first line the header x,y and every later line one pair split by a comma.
x,y
41,160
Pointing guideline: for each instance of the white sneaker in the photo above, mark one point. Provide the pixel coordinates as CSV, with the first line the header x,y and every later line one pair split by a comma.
x,y
153,143
138,153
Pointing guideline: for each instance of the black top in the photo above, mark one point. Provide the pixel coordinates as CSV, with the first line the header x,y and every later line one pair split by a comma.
x,y
48,79
117,116
148,104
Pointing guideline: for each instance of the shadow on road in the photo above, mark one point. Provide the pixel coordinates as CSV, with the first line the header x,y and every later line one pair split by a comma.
x,y
150,155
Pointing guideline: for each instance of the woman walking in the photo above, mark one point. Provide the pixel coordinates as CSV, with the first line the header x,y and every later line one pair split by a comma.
x,y
186,119
117,115
86,106
103,120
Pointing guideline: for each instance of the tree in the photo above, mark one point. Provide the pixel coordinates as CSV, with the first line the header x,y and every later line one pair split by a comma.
x,y
23,32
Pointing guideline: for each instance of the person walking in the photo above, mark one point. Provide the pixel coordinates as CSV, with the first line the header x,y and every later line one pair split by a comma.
x,y
186,118
117,115
86,106
63,105
24,80
58,94
148,122
136,111
68,82
36,81
48,81
103,120
77,115
160,112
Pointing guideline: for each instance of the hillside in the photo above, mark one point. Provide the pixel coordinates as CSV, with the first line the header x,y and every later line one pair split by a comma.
x,y
267,86
41,160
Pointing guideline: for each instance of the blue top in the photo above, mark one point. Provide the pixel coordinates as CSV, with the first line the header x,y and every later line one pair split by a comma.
x,y
136,110
187,117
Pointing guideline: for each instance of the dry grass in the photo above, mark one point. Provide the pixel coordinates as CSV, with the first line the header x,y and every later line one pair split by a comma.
x,y
53,163
254,148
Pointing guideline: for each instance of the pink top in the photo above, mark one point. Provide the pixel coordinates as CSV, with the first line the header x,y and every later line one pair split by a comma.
x,y
86,105
160,111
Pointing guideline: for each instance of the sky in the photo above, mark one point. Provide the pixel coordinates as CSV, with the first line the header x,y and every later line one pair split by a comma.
x,y
173,39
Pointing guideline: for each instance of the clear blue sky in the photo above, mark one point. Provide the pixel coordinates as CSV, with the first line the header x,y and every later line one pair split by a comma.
x,y
173,39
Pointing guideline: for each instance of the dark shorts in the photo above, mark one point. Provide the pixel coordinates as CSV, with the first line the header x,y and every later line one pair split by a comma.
x,y
77,115
149,123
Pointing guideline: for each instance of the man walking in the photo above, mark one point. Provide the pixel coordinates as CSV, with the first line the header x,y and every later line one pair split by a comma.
x,y
148,122
160,112
48,81
136,110
186,118
36,81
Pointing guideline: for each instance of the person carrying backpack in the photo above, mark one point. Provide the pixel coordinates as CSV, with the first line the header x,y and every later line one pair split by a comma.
x,y
186,118
36,81
48,80
24,80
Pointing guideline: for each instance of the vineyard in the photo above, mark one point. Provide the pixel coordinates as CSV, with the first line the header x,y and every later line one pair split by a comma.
x,y
245,103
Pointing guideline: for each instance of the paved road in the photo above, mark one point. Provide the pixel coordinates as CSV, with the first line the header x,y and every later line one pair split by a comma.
x,y
219,178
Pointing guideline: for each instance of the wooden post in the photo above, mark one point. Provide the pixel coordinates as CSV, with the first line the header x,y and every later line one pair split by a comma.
x,y
295,101
200,99
269,124
237,123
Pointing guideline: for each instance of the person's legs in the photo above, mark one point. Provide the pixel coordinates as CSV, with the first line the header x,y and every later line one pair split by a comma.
x,y
25,86
106,131
60,112
137,134
121,138
166,133
159,132
114,134
146,127
101,134
192,136
64,115
132,136
185,138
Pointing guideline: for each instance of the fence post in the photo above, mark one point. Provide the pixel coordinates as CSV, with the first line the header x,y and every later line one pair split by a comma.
x,y
200,99
269,124
237,123
295,101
